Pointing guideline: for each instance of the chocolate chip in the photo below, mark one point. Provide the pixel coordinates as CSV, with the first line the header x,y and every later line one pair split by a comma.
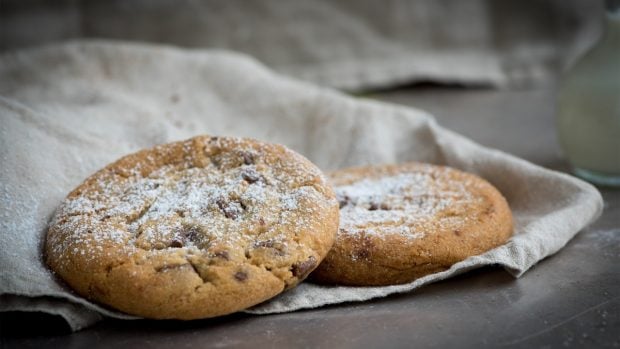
x,y
300,270
373,206
176,243
265,243
191,233
362,253
457,232
222,254
363,249
186,234
241,276
384,206
248,158
276,248
229,211
343,201
221,203
250,175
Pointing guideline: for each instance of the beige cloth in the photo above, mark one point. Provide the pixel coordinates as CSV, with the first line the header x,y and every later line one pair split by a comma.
x,y
67,110
347,44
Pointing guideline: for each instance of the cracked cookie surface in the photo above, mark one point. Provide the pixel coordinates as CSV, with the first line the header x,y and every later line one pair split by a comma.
x,y
401,222
194,229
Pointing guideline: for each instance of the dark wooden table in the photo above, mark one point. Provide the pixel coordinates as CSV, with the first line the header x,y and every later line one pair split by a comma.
x,y
571,299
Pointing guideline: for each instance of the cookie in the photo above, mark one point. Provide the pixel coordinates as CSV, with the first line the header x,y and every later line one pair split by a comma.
x,y
194,229
401,222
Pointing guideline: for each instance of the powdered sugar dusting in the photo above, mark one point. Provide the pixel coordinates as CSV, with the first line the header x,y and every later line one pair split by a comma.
x,y
405,204
224,204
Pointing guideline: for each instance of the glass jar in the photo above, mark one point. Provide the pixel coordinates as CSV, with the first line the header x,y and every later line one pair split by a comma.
x,y
588,118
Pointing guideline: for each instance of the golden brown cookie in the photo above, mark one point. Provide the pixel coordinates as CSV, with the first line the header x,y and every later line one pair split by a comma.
x,y
194,229
401,222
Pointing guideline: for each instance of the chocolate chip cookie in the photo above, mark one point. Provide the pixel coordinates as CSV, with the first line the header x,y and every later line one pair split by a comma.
x,y
194,229
401,222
